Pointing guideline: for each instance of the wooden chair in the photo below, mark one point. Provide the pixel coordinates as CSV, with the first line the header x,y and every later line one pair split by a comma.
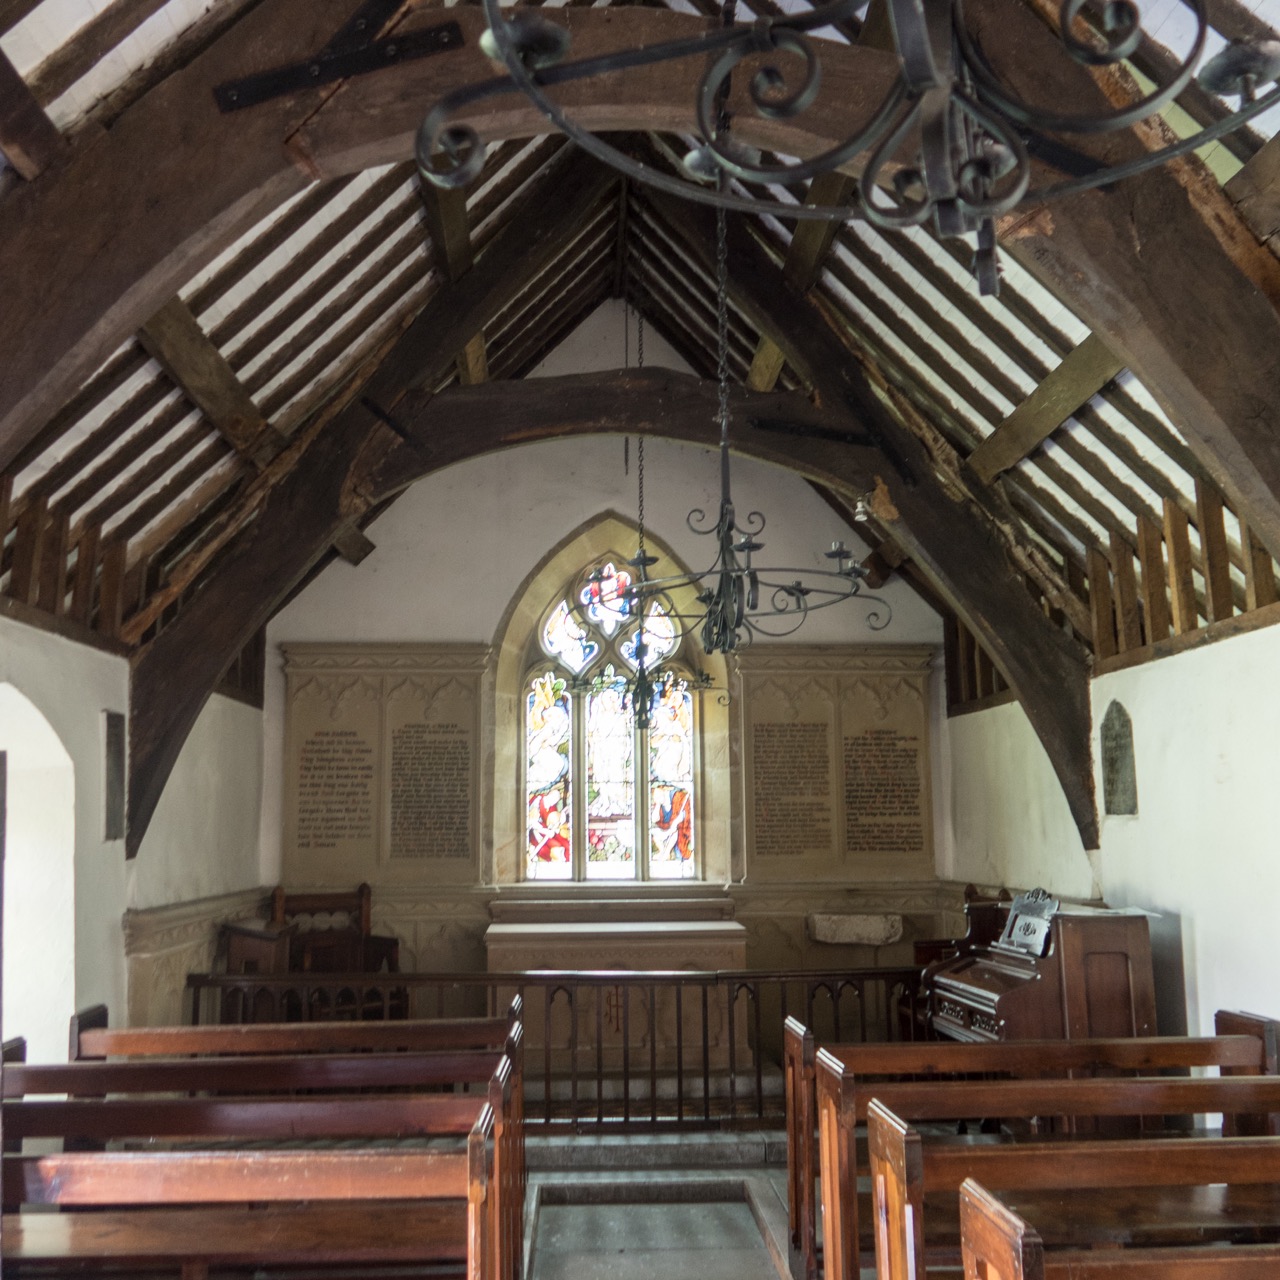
x,y
346,945
333,933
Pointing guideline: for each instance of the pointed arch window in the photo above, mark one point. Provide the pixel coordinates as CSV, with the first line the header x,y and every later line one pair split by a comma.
x,y
607,800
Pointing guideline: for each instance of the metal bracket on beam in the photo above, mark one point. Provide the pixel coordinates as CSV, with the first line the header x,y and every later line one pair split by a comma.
x,y
337,64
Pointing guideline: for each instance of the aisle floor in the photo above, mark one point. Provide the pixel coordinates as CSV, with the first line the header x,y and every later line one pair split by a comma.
x,y
636,1241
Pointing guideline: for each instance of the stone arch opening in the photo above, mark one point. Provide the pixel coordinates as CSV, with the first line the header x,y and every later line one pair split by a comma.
x,y
39,879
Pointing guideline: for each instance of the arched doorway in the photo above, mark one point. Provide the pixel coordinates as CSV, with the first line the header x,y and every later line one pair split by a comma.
x,y
39,879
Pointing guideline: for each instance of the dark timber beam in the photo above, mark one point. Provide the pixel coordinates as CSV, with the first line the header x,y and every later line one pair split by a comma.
x,y
356,462
809,245
136,212
1163,270
956,541
1080,376
297,505
29,139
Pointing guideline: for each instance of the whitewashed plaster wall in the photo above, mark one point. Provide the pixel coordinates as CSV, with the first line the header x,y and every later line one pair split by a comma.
x,y
39,879
1201,850
72,685
203,838
454,549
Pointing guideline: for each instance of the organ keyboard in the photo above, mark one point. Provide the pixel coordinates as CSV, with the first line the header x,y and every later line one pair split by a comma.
x,y
1055,973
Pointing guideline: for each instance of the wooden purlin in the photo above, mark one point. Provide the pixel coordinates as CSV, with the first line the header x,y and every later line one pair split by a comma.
x,y
1074,382
962,433
999,380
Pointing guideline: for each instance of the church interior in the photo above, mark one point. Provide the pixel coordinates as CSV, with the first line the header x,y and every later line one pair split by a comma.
x,y
322,489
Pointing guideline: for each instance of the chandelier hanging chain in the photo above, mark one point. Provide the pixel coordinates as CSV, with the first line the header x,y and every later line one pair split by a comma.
x,y
722,326
949,143
737,599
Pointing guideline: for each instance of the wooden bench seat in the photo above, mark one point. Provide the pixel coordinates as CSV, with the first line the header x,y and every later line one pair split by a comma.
x,y
997,1244
914,1183
262,1074
91,1037
272,1235
450,1212
842,1105
1245,1044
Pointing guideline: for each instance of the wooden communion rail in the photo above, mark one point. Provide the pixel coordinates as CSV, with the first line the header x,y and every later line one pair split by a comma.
x,y
594,1056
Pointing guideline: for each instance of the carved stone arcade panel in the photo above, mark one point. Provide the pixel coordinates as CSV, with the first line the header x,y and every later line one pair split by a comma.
x,y
835,760
384,752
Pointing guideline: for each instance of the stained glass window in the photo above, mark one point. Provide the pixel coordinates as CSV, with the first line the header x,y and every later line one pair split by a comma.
x,y
548,777
611,785
605,596
659,638
607,800
671,782
565,638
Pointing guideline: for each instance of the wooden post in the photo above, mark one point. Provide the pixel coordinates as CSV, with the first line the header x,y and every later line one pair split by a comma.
x,y
1214,554
1101,607
86,567
6,497
965,664
28,137
985,673
951,657
1155,598
1259,574
1182,592
111,593
52,592
1128,621
24,570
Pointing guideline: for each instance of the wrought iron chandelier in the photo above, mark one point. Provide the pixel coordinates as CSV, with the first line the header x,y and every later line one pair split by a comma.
x,y
736,600
950,144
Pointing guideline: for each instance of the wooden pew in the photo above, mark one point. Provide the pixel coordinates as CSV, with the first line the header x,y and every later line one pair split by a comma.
x,y
904,1169
1245,1044
284,1058
88,1119
91,1037
996,1244
398,1207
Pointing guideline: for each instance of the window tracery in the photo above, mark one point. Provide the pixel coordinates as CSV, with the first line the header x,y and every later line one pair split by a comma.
x,y
606,799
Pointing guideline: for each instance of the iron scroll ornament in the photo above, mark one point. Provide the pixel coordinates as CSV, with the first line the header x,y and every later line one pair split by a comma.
x,y
967,137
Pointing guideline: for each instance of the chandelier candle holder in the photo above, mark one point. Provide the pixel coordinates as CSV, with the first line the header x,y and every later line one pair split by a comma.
x,y
950,144
737,600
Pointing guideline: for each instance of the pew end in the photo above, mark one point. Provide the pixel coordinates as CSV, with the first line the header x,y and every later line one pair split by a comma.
x,y
897,1193
797,1075
995,1243
92,1018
